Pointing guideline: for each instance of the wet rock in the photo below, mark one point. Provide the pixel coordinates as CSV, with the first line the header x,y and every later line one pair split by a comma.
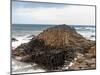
x,y
92,35
53,47
55,58
14,39
50,60
20,50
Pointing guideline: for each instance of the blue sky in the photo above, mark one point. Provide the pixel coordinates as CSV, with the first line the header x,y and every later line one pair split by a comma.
x,y
47,13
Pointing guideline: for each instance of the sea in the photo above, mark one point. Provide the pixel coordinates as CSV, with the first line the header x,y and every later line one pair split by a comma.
x,y
24,32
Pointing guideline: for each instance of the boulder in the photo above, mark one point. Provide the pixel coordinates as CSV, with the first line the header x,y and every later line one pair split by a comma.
x,y
84,63
53,46
63,36
87,61
20,50
54,58
91,52
92,35
14,39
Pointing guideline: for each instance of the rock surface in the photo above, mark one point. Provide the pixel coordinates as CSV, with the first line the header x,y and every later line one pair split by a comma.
x,y
53,46
86,61
14,39
62,36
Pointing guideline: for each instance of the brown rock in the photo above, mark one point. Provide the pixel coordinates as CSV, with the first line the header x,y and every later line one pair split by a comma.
x,y
91,52
63,36
53,46
84,63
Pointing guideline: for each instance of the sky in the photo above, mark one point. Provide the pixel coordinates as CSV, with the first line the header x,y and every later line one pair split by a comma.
x,y
50,13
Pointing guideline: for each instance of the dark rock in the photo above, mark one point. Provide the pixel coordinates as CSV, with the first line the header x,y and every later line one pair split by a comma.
x,y
55,57
50,60
14,39
20,50
53,46
92,35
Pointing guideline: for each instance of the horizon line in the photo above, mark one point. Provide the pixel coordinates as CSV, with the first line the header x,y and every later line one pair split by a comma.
x,y
60,24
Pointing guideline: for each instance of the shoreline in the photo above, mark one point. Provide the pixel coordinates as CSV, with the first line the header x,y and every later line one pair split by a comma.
x,y
26,39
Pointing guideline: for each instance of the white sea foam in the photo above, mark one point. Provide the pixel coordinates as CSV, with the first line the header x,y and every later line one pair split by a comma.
x,y
21,67
87,35
21,39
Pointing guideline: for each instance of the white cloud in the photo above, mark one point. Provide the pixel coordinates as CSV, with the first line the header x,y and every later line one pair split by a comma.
x,y
69,15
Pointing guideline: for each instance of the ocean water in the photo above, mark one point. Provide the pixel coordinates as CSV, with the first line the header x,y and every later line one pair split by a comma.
x,y
28,29
22,32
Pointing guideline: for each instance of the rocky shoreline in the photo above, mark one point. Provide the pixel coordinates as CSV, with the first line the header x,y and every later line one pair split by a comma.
x,y
57,47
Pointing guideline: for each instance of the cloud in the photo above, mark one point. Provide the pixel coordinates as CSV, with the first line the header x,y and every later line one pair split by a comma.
x,y
68,14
